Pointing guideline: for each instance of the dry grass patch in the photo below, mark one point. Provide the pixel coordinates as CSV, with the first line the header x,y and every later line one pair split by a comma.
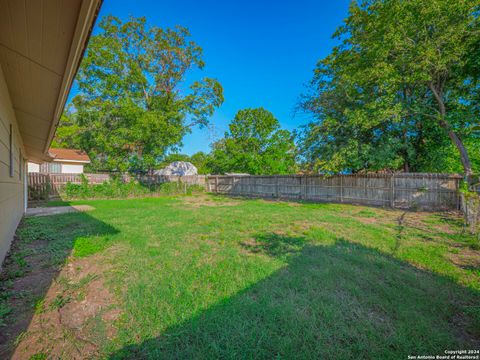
x,y
197,201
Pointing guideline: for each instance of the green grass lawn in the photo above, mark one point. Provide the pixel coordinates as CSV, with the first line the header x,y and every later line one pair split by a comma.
x,y
211,277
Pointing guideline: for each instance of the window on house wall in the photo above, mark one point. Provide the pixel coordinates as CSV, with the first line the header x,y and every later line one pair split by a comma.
x,y
51,168
10,140
54,168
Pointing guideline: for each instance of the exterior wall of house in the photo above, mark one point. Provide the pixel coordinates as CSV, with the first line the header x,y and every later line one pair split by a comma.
x,y
12,179
32,167
72,168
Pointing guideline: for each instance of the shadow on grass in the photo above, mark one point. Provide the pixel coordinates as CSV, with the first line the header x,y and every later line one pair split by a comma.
x,y
334,301
37,255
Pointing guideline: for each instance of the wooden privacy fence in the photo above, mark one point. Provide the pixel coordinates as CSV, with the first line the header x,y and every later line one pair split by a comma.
x,y
405,190
42,186
38,186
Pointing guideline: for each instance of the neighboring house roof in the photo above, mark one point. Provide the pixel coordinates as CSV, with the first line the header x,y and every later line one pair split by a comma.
x,y
41,45
73,155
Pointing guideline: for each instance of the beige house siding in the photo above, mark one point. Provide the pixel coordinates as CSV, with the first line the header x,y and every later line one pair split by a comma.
x,y
41,45
12,200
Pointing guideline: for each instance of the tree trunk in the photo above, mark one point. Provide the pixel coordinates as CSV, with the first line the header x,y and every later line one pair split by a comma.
x,y
467,164
406,165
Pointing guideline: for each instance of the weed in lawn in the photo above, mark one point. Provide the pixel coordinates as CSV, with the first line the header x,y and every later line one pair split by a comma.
x,y
20,337
59,302
76,289
366,213
5,309
275,245
70,286
39,356
14,273
20,260
89,245
39,306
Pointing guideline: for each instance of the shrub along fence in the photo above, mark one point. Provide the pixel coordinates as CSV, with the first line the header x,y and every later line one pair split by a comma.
x,y
47,186
404,190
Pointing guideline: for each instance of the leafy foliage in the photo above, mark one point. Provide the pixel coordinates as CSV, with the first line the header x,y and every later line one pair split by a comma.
x,y
254,144
132,107
400,91
116,189
5,309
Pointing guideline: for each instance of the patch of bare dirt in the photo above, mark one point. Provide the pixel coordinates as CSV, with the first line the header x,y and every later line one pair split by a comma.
x,y
419,220
70,319
367,220
285,202
467,259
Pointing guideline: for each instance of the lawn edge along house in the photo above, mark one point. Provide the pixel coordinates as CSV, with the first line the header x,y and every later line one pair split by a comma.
x,y
41,46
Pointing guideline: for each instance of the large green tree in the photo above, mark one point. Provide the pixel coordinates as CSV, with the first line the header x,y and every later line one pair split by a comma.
x,y
68,134
401,88
255,144
133,104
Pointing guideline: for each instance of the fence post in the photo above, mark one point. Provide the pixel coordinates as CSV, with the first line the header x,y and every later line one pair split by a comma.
x,y
50,189
341,188
276,186
300,193
216,184
305,186
392,191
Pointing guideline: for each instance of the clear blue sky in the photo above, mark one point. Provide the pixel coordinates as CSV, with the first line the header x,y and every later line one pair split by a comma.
x,y
262,52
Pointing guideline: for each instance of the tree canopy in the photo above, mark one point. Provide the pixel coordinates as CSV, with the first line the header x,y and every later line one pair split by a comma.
x,y
255,144
401,90
133,103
